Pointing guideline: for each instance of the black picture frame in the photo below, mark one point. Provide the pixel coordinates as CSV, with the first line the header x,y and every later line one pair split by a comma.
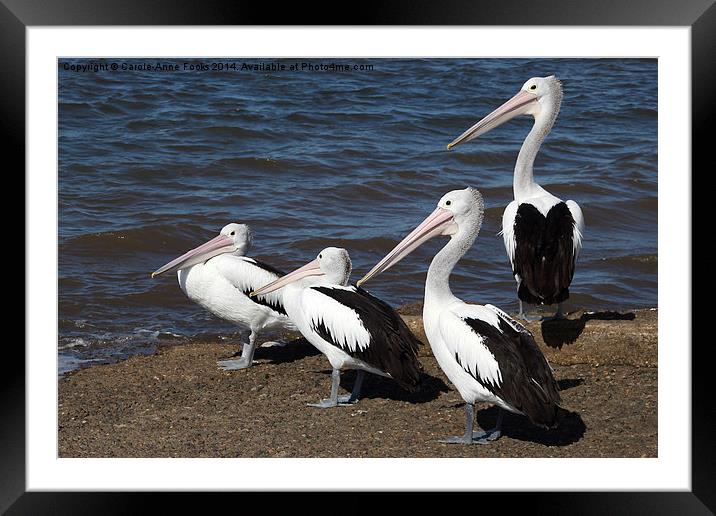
x,y
17,15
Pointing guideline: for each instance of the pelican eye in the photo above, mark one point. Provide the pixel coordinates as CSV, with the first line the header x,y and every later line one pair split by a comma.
x,y
533,87
448,203
232,233
320,256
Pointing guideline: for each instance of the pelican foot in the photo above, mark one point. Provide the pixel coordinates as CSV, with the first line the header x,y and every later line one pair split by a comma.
x,y
530,318
342,401
486,437
477,438
324,403
458,439
233,365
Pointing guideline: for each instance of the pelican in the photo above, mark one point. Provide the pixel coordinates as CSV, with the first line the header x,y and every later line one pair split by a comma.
x,y
219,277
352,328
542,233
487,355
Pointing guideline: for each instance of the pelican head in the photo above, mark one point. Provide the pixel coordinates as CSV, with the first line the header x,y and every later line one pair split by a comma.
x,y
539,96
233,238
458,214
332,266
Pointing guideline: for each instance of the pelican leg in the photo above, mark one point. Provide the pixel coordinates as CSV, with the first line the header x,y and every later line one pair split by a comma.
x,y
333,401
355,394
559,314
247,356
469,422
490,435
522,315
478,437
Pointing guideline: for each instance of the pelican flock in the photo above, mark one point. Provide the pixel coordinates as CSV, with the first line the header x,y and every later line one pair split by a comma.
x,y
219,277
542,233
486,354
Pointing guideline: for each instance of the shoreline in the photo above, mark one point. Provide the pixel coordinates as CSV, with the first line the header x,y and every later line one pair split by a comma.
x,y
405,310
177,403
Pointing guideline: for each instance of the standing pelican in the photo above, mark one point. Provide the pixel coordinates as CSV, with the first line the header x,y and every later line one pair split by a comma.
x,y
354,329
487,355
217,276
542,233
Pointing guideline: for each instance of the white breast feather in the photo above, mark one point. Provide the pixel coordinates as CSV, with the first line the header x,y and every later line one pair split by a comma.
x,y
543,203
342,321
470,348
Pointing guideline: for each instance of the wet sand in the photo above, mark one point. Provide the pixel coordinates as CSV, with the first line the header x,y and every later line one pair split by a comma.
x,y
176,403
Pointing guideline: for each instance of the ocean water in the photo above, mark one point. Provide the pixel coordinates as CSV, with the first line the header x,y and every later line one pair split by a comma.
x,y
154,162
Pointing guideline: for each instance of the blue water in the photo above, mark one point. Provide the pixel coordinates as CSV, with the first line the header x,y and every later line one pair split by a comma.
x,y
152,163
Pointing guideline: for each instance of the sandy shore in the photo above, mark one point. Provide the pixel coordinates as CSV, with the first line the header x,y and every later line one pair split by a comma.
x,y
176,403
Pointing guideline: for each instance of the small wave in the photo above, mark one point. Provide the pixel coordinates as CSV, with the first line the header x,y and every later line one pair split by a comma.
x,y
143,238
184,147
505,159
131,146
72,107
137,336
79,168
301,117
130,105
374,191
347,117
234,131
642,263
74,324
110,109
73,343
253,163
142,125
162,292
69,283
370,244
141,333
643,112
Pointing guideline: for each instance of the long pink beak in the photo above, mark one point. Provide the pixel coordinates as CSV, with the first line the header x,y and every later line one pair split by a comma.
x,y
517,105
439,222
310,269
217,245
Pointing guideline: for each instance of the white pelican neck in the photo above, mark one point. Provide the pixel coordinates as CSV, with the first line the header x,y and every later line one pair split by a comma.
x,y
437,284
524,185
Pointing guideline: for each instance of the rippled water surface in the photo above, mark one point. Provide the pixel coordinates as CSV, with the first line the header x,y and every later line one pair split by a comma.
x,y
153,163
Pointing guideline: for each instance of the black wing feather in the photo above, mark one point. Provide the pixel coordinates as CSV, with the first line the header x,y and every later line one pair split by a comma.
x,y
527,380
393,348
274,304
544,253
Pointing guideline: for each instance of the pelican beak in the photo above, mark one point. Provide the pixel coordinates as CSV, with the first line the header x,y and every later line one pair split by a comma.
x,y
439,222
517,105
310,269
217,245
